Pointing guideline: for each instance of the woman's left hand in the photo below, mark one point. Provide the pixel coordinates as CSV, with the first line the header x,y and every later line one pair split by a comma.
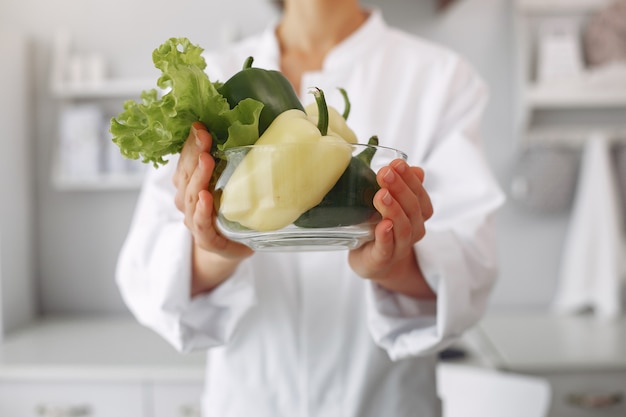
x,y
405,206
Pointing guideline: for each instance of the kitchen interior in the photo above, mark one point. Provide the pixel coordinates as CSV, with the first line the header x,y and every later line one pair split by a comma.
x,y
553,340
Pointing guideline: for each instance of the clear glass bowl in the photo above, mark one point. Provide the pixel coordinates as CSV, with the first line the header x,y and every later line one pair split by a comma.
x,y
299,196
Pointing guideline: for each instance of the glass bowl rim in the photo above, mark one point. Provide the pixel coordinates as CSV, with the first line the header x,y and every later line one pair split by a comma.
x,y
224,152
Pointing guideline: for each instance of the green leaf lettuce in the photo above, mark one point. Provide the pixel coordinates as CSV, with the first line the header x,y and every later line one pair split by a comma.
x,y
158,126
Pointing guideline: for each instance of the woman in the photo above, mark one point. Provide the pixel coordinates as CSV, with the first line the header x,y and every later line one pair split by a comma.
x,y
330,334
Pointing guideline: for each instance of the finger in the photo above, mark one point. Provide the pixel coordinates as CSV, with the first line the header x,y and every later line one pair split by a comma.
x,y
206,234
425,201
388,177
419,172
384,245
376,254
202,218
204,227
199,140
391,209
199,181
413,178
410,175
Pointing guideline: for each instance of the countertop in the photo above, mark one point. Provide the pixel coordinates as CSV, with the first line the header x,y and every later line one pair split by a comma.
x,y
119,348
103,348
544,342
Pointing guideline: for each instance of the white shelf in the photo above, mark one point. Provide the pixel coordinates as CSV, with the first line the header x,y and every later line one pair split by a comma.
x,y
101,182
596,94
112,88
75,81
561,6
539,96
119,181
574,136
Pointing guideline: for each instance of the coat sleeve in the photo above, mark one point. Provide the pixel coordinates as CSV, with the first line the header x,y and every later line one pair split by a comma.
x,y
458,253
153,274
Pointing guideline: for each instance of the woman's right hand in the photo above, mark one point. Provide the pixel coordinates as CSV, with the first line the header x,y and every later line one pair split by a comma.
x,y
215,256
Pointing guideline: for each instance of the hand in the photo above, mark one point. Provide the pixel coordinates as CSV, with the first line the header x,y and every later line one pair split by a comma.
x,y
405,206
194,200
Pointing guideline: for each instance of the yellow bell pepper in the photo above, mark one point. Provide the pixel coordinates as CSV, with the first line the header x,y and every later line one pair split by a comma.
x,y
289,170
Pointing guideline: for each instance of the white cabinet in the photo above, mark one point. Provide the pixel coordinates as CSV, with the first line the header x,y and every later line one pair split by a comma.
x,y
561,6
97,367
94,398
589,394
176,399
563,98
581,356
71,399
86,99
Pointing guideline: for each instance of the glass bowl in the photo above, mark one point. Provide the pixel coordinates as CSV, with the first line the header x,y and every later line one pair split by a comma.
x,y
299,196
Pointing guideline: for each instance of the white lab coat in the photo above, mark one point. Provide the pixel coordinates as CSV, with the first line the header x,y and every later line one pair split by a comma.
x,y
299,334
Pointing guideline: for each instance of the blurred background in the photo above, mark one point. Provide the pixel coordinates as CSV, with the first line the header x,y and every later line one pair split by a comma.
x,y
553,134
77,233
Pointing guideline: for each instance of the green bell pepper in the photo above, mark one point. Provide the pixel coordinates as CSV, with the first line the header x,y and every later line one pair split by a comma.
x,y
267,86
351,200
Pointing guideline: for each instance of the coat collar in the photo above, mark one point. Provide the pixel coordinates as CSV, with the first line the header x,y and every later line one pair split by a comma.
x,y
359,42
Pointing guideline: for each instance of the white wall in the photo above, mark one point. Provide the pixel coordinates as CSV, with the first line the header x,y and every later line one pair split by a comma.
x,y
79,233
484,32
16,186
